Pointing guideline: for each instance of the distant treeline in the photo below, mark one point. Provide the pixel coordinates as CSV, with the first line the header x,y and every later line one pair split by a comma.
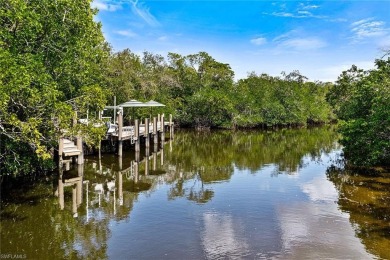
x,y
201,92
53,52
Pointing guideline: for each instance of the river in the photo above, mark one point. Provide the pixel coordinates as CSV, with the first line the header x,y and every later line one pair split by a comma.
x,y
204,195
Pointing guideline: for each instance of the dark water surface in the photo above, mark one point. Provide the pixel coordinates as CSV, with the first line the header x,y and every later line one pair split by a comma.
x,y
216,195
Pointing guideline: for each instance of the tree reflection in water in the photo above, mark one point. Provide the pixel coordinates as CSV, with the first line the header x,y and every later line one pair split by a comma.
x,y
365,195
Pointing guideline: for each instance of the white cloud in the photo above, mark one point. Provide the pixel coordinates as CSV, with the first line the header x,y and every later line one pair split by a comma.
x,y
337,20
163,38
357,23
144,13
300,12
105,6
281,6
286,35
259,41
305,13
368,28
127,33
310,43
303,6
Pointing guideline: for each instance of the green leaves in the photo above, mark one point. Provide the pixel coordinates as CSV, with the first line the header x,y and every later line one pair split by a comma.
x,y
265,100
210,107
49,52
366,131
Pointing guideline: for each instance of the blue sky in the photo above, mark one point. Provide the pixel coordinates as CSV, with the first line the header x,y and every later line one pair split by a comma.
x,y
318,38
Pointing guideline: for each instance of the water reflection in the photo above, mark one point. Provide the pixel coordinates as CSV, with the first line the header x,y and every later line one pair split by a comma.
x,y
365,196
315,229
220,238
208,195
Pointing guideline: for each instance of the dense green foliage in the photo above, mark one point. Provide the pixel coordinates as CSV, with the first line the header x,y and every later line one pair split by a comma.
x,y
281,101
50,51
362,100
201,92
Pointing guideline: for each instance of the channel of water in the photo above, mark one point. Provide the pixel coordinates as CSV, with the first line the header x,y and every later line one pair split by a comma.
x,y
205,195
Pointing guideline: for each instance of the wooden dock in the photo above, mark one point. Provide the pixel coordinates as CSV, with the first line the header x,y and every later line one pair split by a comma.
x,y
71,149
144,129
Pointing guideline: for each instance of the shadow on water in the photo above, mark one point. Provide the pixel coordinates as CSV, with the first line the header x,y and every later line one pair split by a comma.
x,y
365,195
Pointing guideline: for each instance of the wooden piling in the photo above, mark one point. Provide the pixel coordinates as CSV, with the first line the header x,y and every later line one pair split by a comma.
x,y
136,171
155,133
147,160
162,156
80,170
79,193
154,161
60,151
61,190
80,157
120,188
170,127
162,125
137,156
74,200
147,142
67,165
120,163
136,135
120,127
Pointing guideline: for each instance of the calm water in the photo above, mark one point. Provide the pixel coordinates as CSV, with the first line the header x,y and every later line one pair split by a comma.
x,y
217,195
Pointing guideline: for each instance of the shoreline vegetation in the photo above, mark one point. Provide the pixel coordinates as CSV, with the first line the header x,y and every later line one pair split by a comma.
x,y
51,53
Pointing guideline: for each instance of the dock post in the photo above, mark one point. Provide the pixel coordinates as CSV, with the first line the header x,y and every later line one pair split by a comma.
x,y
136,135
162,125
61,190
158,121
60,151
136,172
120,163
147,142
120,188
147,160
120,127
67,165
155,133
80,158
154,160
80,171
170,127
162,156
155,149
74,200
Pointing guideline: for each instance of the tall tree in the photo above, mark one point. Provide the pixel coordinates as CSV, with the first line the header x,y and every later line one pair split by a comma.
x,y
366,114
49,50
